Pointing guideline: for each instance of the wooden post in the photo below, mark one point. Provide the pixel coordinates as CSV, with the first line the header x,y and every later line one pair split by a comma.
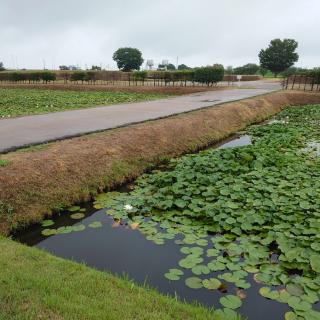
x,y
312,84
305,83
293,82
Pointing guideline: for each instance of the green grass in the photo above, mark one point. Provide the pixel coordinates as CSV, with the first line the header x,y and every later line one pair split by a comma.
x,y
3,162
20,102
36,285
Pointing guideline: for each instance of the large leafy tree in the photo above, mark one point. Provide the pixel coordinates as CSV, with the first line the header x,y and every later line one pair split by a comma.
x,y
128,59
279,56
1,67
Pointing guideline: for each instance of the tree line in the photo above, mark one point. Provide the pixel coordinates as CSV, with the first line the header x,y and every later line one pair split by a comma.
x,y
205,75
278,58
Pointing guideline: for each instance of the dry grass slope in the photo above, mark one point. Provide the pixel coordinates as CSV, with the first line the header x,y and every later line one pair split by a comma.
x,y
38,180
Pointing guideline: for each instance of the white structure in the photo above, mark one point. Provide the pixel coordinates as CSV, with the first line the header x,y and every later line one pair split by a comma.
x,y
150,64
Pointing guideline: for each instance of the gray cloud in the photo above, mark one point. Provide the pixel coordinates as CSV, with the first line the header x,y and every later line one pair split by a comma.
x,y
200,32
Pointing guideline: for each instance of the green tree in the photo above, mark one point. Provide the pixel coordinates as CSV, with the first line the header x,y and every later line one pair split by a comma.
x,y
48,76
263,71
209,75
279,56
128,59
229,70
183,67
2,68
171,67
97,68
247,69
64,67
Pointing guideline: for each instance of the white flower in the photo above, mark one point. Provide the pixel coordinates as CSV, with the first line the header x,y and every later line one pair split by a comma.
x,y
128,207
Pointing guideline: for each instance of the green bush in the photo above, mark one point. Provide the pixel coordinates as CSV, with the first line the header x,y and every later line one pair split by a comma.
x,y
90,76
140,75
78,76
209,75
48,76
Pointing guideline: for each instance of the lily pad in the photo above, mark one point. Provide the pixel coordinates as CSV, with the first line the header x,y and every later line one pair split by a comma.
x,y
95,224
74,208
315,262
294,289
200,269
77,216
47,223
211,284
194,283
231,302
48,232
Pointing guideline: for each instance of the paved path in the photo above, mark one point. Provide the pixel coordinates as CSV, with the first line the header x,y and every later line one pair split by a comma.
x,y
30,130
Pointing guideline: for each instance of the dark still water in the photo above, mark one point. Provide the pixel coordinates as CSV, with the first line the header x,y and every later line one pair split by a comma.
x,y
120,250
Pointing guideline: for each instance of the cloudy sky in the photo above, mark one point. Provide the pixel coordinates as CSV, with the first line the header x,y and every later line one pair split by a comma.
x,y
199,32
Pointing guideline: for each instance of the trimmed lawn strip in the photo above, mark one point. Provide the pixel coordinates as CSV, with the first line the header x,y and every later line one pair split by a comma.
x,y
36,182
36,285
21,102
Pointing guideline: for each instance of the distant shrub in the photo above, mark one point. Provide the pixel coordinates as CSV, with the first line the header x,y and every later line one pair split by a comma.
x,y
90,76
78,76
140,75
48,76
247,69
209,75
315,73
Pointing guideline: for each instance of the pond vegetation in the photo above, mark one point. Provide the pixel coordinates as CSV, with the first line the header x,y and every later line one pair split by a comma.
x,y
239,216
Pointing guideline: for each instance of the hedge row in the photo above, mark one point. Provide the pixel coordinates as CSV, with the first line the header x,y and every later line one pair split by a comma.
x,y
204,75
30,77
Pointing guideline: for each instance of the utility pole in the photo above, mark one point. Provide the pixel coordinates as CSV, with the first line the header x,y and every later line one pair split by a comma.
x,y
177,62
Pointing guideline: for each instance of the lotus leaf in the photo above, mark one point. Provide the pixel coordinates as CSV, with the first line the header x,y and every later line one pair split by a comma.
x,y
194,283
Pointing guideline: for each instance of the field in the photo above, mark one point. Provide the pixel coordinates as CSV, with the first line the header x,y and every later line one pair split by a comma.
x,y
20,102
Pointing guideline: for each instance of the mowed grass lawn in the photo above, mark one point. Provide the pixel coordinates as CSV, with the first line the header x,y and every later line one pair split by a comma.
x,y
36,285
20,102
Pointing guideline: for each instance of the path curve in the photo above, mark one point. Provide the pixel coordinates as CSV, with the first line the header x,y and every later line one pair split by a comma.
x,y
30,130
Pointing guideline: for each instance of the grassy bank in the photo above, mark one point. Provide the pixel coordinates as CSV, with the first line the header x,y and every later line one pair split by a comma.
x,y
19,102
36,181
36,285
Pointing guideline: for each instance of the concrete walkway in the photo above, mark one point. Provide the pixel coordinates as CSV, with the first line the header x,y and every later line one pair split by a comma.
x,y
20,132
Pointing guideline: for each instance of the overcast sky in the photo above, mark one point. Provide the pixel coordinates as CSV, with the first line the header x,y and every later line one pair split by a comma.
x,y
199,32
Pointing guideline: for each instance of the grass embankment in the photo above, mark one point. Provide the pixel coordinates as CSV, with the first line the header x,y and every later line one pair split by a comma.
x,y
36,285
53,176
20,102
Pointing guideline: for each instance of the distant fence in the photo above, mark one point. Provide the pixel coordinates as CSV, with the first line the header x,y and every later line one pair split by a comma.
x,y
301,82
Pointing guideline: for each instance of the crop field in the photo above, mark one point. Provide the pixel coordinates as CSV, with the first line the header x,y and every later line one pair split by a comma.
x,y
20,102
